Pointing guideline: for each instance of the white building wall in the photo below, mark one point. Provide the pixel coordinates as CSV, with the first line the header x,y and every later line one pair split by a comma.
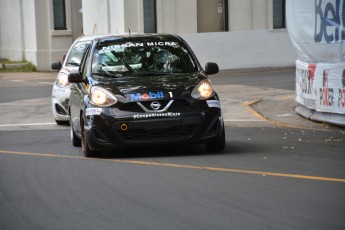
x,y
118,16
166,16
41,37
27,31
133,15
240,15
186,18
76,19
11,45
261,14
243,49
250,15
177,16
96,18
112,16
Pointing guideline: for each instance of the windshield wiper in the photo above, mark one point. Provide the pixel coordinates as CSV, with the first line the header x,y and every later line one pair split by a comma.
x,y
123,62
152,73
108,75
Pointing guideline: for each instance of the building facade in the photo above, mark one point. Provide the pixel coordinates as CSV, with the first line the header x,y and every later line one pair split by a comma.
x,y
234,33
28,30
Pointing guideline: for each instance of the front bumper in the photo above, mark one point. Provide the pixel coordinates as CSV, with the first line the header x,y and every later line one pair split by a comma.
x,y
106,131
60,101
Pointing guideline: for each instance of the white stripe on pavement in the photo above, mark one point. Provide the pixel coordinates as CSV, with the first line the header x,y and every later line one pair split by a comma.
x,y
244,120
31,124
46,83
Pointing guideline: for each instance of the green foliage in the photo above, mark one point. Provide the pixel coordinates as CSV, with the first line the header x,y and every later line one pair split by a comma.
x,y
22,66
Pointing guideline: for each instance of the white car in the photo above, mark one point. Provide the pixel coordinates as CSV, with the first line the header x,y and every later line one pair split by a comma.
x,y
61,87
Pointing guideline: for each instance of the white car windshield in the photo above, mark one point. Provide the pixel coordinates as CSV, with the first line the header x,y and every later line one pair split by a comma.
x,y
76,53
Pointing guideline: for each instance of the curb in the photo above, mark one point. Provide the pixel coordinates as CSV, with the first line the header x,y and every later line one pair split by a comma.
x,y
282,112
331,118
260,115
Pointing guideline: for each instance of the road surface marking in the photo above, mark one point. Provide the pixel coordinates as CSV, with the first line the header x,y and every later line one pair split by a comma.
x,y
245,120
46,83
261,173
31,124
17,80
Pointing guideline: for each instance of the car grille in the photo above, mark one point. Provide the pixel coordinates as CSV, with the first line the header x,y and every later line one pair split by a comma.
x,y
131,107
178,105
173,133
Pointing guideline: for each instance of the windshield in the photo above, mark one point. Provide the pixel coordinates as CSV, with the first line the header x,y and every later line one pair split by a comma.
x,y
76,53
142,58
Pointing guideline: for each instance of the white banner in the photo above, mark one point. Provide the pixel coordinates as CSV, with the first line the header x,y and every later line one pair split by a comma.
x,y
316,29
321,86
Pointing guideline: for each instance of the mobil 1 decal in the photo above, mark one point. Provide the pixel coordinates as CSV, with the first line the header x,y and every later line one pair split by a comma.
x,y
147,96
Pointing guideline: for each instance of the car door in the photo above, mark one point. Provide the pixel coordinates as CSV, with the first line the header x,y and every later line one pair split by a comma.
x,y
78,92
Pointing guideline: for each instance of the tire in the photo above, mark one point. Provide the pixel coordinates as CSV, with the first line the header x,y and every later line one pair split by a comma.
x,y
85,147
76,142
218,145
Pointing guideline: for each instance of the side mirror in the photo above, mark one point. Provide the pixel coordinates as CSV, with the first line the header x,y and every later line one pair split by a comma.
x,y
56,65
75,77
211,68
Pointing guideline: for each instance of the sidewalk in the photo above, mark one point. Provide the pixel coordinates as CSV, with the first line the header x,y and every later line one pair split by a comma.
x,y
244,106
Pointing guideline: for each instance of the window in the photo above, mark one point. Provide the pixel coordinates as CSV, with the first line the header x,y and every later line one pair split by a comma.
x,y
145,57
59,15
278,14
84,62
150,23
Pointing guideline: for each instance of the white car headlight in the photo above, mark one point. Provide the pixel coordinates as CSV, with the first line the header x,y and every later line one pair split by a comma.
x,y
101,97
203,90
62,80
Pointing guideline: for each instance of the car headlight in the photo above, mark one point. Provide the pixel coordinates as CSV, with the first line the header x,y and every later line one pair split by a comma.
x,y
101,97
203,90
62,80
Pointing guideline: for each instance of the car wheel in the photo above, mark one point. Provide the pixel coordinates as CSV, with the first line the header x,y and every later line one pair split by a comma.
x,y
75,140
218,145
85,147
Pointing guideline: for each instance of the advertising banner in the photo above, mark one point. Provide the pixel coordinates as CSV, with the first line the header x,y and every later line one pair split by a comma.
x,y
316,29
321,86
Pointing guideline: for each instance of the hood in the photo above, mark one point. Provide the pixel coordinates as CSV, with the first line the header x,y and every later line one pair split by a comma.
x,y
152,87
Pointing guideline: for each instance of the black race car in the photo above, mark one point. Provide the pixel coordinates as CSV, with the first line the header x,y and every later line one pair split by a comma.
x,y
143,89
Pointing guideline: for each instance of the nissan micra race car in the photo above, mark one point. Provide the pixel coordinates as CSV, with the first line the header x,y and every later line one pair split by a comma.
x,y
143,90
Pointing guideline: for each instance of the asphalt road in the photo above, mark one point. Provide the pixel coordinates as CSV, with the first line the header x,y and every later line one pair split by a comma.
x,y
278,171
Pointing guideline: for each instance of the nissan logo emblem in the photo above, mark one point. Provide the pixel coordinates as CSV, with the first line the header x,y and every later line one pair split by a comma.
x,y
155,105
